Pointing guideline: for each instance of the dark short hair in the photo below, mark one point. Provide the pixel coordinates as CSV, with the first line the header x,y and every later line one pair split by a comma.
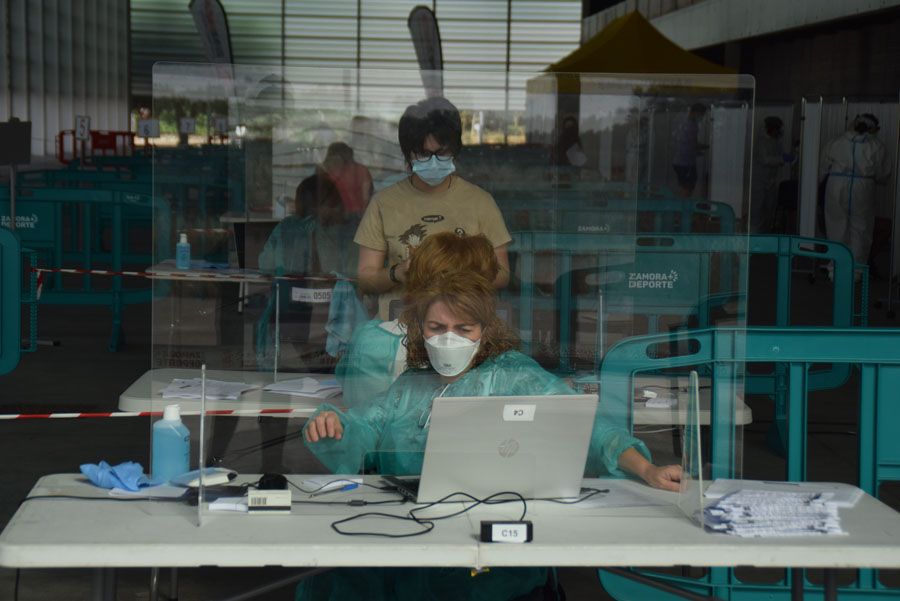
x,y
865,122
773,122
315,193
340,150
435,116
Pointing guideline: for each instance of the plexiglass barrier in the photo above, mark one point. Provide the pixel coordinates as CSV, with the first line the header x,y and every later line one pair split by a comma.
x,y
306,257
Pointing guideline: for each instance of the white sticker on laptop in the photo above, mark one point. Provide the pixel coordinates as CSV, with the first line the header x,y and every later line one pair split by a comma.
x,y
518,413
311,295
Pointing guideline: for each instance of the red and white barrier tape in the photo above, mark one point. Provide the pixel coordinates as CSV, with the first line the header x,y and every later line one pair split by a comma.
x,y
187,274
215,412
77,271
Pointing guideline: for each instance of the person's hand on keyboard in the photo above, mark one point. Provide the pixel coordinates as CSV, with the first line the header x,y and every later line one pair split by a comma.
x,y
326,424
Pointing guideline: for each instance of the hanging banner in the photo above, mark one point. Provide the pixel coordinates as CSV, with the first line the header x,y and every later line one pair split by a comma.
x,y
209,17
426,38
212,25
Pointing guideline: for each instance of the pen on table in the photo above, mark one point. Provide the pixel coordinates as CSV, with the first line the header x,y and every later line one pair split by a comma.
x,y
345,487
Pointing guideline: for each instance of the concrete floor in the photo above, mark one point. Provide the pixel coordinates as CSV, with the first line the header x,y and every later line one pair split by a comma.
x,y
81,375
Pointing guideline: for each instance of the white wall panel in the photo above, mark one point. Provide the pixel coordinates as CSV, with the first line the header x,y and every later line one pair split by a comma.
x,y
810,142
728,176
67,59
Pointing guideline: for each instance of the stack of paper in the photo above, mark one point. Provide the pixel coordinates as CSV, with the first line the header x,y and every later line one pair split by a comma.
x,y
216,390
763,513
843,495
308,387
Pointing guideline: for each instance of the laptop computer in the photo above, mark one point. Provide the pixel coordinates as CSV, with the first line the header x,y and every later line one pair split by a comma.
x,y
536,446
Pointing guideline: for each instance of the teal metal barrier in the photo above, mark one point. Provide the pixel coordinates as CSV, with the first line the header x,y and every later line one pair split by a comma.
x,y
41,214
705,271
595,213
726,352
649,275
10,297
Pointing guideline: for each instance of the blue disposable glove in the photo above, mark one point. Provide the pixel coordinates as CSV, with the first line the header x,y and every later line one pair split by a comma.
x,y
789,158
128,475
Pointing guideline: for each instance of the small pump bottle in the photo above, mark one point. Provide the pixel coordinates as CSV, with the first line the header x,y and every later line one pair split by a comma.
x,y
183,253
171,446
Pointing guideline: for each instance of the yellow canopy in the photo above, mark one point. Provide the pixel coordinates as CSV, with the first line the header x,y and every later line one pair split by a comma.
x,y
630,44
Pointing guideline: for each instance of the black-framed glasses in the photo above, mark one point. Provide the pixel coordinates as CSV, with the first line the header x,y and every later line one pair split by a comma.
x,y
425,155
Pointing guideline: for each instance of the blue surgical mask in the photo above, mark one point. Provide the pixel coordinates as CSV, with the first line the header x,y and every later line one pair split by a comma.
x,y
433,170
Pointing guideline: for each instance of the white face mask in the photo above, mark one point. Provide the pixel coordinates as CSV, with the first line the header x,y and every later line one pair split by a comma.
x,y
450,353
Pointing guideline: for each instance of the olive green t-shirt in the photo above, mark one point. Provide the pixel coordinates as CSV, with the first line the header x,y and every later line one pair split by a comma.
x,y
399,218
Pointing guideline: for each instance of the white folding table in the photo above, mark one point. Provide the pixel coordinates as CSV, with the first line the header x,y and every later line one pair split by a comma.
x,y
144,393
68,533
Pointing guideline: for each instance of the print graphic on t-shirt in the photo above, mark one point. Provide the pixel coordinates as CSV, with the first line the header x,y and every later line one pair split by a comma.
x,y
459,232
413,237
433,218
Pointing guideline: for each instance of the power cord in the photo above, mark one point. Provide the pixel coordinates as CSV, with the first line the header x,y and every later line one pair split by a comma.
x,y
339,481
427,524
237,454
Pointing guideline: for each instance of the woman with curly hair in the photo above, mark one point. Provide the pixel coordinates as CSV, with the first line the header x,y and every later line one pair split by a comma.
x,y
376,355
457,346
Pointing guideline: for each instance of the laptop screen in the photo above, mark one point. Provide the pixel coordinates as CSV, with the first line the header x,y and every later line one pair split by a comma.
x,y
535,446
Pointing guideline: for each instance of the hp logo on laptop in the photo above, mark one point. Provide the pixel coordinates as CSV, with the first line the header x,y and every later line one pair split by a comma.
x,y
508,447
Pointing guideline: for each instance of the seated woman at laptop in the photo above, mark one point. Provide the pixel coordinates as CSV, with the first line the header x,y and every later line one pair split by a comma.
x,y
376,356
457,346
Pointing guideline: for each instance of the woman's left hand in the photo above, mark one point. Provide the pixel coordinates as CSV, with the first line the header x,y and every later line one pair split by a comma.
x,y
666,477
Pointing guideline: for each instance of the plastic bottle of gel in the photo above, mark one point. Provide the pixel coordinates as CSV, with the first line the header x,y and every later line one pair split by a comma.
x,y
183,253
171,446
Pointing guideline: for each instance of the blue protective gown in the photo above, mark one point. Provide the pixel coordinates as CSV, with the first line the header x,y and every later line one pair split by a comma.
x,y
301,246
374,358
392,428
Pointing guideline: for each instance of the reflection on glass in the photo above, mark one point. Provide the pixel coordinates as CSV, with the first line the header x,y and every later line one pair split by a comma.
x,y
691,490
611,206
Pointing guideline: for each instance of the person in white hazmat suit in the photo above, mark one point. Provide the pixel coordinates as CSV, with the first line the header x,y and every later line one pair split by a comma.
x,y
768,159
854,163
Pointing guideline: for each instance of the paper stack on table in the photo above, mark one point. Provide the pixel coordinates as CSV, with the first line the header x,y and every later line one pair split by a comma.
x,y
843,495
762,513
308,387
216,390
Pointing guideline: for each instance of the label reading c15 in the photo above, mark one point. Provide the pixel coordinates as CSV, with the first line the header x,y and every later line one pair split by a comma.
x,y
506,532
518,413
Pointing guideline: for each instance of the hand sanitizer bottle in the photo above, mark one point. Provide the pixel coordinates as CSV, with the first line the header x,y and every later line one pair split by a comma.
x,y
171,446
183,253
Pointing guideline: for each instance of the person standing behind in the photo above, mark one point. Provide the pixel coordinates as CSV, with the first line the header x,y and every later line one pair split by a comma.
x,y
353,180
854,161
432,199
687,149
768,159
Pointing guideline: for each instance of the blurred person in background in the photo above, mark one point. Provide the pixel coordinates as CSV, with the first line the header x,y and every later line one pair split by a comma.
x,y
687,149
854,162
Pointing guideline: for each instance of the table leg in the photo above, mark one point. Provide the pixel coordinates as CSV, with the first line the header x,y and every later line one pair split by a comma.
x,y
262,590
154,584
830,585
173,584
104,584
797,584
